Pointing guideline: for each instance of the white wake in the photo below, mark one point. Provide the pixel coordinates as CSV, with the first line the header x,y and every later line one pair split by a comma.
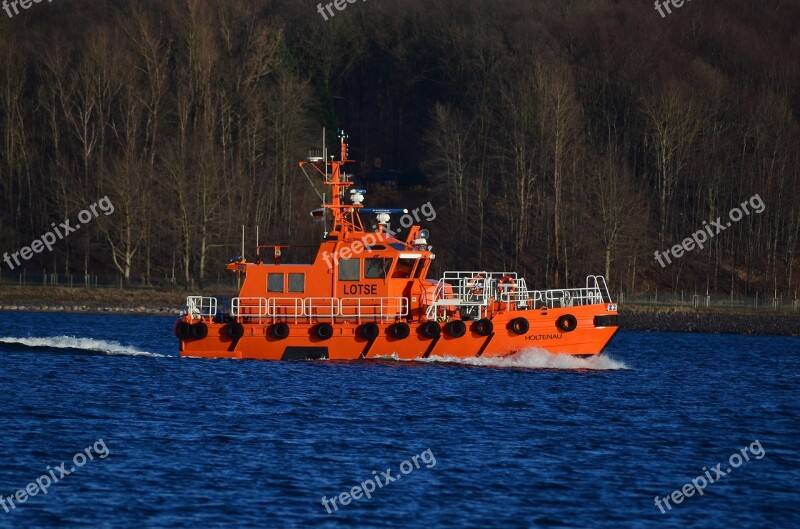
x,y
83,344
536,359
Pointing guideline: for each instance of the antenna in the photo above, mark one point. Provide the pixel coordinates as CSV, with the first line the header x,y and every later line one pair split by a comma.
x,y
325,217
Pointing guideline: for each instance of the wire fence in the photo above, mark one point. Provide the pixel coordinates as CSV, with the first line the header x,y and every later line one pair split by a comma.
x,y
53,279
229,283
778,302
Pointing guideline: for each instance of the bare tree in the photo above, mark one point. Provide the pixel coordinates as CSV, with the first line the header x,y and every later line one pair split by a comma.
x,y
673,125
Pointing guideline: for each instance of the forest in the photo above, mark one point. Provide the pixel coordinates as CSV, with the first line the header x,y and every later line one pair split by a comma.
x,y
557,138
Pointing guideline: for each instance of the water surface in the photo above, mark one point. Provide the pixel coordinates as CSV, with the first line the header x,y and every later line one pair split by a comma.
x,y
532,441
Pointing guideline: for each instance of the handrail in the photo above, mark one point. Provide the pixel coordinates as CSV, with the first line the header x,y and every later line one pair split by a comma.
x,y
201,307
462,288
479,288
282,306
474,291
379,308
566,297
328,307
243,307
323,307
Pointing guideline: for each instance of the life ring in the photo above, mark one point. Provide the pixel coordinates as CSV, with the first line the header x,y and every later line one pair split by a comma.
x,y
183,331
369,331
324,331
430,329
235,330
280,330
483,327
519,325
475,285
456,328
199,330
400,330
507,285
567,323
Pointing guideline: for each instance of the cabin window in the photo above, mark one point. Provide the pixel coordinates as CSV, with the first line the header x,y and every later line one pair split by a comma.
x,y
274,282
376,268
404,267
349,269
420,268
297,282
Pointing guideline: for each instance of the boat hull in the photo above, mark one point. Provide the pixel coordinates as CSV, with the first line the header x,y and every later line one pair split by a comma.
x,y
596,325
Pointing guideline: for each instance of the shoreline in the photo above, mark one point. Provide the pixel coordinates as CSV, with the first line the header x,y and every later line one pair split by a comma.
x,y
158,303
115,311
713,322
91,300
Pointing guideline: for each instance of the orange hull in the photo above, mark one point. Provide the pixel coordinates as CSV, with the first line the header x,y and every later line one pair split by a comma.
x,y
346,343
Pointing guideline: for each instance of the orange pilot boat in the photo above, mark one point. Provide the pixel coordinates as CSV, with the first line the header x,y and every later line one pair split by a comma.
x,y
366,295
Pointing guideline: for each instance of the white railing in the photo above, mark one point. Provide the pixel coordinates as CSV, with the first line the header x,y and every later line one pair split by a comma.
x,y
289,307
249,307
201,307
295,308
322,307
512,293
596,292
373,307
473,291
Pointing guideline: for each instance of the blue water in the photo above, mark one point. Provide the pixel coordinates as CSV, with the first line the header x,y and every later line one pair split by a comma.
x,y
536,441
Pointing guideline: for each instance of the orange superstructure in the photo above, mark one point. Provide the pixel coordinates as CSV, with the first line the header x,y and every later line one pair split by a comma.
x,y
366,295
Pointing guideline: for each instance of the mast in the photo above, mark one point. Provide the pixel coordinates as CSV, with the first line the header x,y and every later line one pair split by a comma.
x,y
345,216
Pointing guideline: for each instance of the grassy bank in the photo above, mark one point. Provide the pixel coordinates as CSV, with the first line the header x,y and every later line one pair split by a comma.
x,y
643,308
91,299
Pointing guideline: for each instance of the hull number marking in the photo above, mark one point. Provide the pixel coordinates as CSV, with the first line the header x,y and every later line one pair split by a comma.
x,y
368,290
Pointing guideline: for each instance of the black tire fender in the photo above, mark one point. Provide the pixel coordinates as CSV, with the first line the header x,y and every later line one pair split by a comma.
x,y
483,327
280,331
183,330
199,330
235,330
430,329
567,323
369,331
456,328
323,331
400,330
519,325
